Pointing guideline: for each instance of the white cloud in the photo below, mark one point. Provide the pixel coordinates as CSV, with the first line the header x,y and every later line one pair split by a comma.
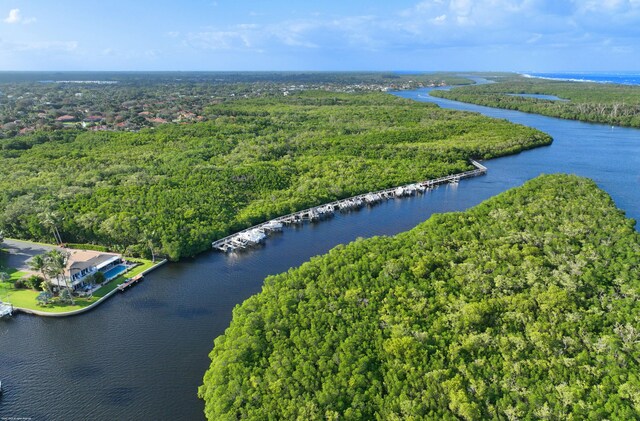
x,y
339,33
438,24
439,19
48,46
238,37
16,17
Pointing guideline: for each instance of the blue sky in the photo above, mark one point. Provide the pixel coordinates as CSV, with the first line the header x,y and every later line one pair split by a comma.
x,y
520,35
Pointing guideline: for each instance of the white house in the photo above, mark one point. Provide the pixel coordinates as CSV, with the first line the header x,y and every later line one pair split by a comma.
x,y
83,263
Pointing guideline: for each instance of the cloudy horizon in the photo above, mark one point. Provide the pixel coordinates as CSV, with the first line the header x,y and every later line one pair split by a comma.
x,y
500,35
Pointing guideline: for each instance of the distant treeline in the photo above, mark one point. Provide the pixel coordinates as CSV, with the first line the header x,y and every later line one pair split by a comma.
x,y
593,102
524,307
176,188
130,101
153,78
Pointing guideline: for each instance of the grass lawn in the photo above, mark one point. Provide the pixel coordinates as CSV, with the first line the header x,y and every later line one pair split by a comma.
x,y
26,298
7,287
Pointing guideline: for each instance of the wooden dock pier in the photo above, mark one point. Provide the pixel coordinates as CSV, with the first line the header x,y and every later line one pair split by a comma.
x,y
130,282
258,233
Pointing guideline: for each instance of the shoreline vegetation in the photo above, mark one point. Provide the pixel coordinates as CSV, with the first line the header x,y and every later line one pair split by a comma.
x,y
176,188
520,307
603,103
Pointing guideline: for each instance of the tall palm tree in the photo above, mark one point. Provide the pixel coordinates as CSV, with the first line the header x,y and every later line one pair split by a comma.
x,y
38,263
50,219
56,263
148,240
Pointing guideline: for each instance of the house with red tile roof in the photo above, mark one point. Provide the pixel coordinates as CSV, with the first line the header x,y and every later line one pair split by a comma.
x,y
66,118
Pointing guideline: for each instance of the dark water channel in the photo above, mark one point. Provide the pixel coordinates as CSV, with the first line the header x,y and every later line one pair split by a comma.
x,y
142,354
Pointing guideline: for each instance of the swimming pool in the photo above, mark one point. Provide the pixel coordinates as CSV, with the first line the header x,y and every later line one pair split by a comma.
x,y
114,271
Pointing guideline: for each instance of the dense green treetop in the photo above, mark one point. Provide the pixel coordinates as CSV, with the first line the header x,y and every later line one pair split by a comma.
x,y
178,187
524,307
594,102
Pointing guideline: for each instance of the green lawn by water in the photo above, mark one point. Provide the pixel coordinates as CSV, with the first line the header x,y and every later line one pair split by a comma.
x,y
26,298
7,287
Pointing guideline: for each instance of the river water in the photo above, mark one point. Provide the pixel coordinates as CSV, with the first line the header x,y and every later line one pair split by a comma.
x,y
141,355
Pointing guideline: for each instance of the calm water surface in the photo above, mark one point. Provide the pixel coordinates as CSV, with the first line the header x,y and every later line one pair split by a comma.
x,y
142,354
540,96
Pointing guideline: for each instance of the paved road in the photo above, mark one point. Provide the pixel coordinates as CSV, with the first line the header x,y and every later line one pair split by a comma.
x,y
21,251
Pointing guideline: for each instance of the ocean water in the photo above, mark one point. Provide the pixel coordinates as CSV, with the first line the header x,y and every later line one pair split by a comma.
x,y
625,78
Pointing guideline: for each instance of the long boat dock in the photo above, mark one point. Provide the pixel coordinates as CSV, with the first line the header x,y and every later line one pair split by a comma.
x,y
258,233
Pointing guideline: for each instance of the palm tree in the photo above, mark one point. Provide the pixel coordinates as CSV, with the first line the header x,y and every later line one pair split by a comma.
x,y
149,240
38,263
51,220
56,263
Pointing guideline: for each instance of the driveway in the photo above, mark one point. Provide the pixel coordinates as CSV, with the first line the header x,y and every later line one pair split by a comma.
x,y
20,252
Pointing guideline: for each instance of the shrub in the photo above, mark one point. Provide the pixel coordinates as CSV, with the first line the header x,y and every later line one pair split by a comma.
x,y
33,282
98,278
44,298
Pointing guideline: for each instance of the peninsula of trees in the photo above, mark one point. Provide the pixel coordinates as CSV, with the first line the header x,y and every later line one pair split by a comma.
x,y
524,307
606,103
175,188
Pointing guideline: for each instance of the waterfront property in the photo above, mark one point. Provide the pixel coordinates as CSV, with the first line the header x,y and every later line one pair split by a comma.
x,y
84,264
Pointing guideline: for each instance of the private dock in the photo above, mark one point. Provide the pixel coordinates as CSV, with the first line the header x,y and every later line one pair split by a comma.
x,y
6,309
130,282
258,233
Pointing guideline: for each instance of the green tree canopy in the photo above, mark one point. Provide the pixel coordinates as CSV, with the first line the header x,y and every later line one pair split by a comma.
x,y
524,307
594,102
174,189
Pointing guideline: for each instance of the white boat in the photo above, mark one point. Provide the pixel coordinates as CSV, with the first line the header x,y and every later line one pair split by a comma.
x,y
273,226
325,210
6,309
255,236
